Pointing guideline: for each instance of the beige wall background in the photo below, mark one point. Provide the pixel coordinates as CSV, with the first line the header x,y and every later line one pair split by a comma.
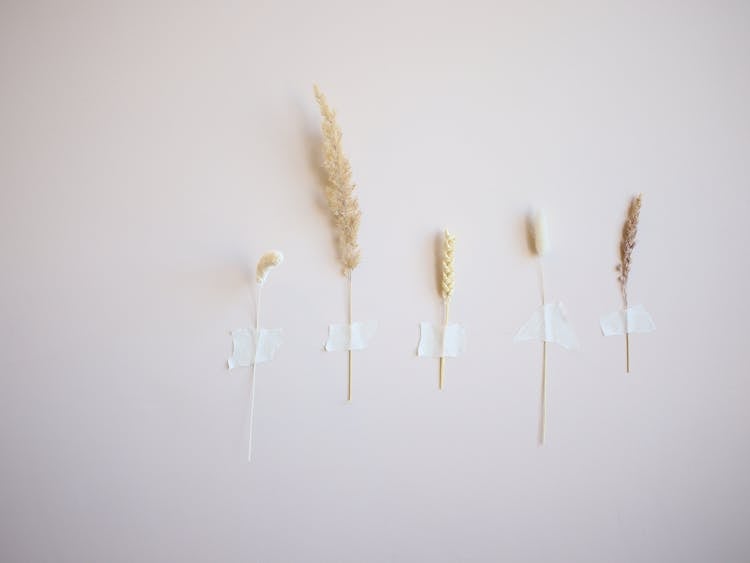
x,y
151,151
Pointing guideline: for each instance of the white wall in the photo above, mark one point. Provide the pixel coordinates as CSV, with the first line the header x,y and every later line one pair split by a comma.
x,y
150,152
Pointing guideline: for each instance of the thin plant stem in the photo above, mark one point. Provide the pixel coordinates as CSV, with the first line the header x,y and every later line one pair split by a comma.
x,y
627,334
627,353
446,307
252,374
543,414
349,391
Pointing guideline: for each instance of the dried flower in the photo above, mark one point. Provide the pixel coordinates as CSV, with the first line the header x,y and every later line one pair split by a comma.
x,y
340,189
448,277
267,261
627,244
539,233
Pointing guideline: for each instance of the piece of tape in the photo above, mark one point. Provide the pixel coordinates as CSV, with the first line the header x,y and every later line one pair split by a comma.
x,y
356,336
440,341
254,347
549,323
627,321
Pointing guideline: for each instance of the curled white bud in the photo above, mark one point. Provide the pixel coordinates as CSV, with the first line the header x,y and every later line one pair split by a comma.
x,y
267,261
540,235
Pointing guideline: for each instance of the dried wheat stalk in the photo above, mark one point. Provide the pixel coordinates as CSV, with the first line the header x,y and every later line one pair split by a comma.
x,y
448,280
341,199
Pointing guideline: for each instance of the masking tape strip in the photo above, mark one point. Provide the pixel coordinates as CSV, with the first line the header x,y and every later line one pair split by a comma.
x,y
254,347
441,341
356,336
627,321
549,323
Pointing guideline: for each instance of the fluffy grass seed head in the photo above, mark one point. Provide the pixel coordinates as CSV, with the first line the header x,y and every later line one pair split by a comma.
x,y
448,277
539,233
627,244
339,190
268,261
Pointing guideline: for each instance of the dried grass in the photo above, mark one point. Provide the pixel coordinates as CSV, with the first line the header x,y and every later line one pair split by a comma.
x,y
448,278
267,261
339,189
539,233
627,244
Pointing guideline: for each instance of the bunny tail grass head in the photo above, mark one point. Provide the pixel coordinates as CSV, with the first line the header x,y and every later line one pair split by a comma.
x,y
448,274
538,232
627,244
268,261
339,190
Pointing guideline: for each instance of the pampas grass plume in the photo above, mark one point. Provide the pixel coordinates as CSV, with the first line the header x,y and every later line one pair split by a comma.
x,y
627,244
340,196
268,261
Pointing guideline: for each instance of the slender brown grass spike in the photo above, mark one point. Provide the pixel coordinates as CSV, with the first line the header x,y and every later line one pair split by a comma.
x,y
627,245
446,287
341,199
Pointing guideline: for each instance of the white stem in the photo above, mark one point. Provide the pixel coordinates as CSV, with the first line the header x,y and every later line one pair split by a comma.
x,y
543,414
541,279
543,419
252,375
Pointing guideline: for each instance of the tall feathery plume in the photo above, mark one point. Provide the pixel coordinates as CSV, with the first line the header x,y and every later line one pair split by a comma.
x,y
627,244
540,246
268,261
341,199
448,279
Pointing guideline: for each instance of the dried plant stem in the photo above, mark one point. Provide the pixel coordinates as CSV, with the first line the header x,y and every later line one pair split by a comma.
x,y
627,244
627,353
627,337
541,280
627,342
447,282
349,388
543,414
252,374
341,199
446,307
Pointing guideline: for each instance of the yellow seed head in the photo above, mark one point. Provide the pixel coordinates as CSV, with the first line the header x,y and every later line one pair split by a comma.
x,y
449,242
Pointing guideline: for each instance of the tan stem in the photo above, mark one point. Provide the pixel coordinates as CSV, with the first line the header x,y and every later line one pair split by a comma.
x,y
627,335
446,306
349,388
543,419
627,353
